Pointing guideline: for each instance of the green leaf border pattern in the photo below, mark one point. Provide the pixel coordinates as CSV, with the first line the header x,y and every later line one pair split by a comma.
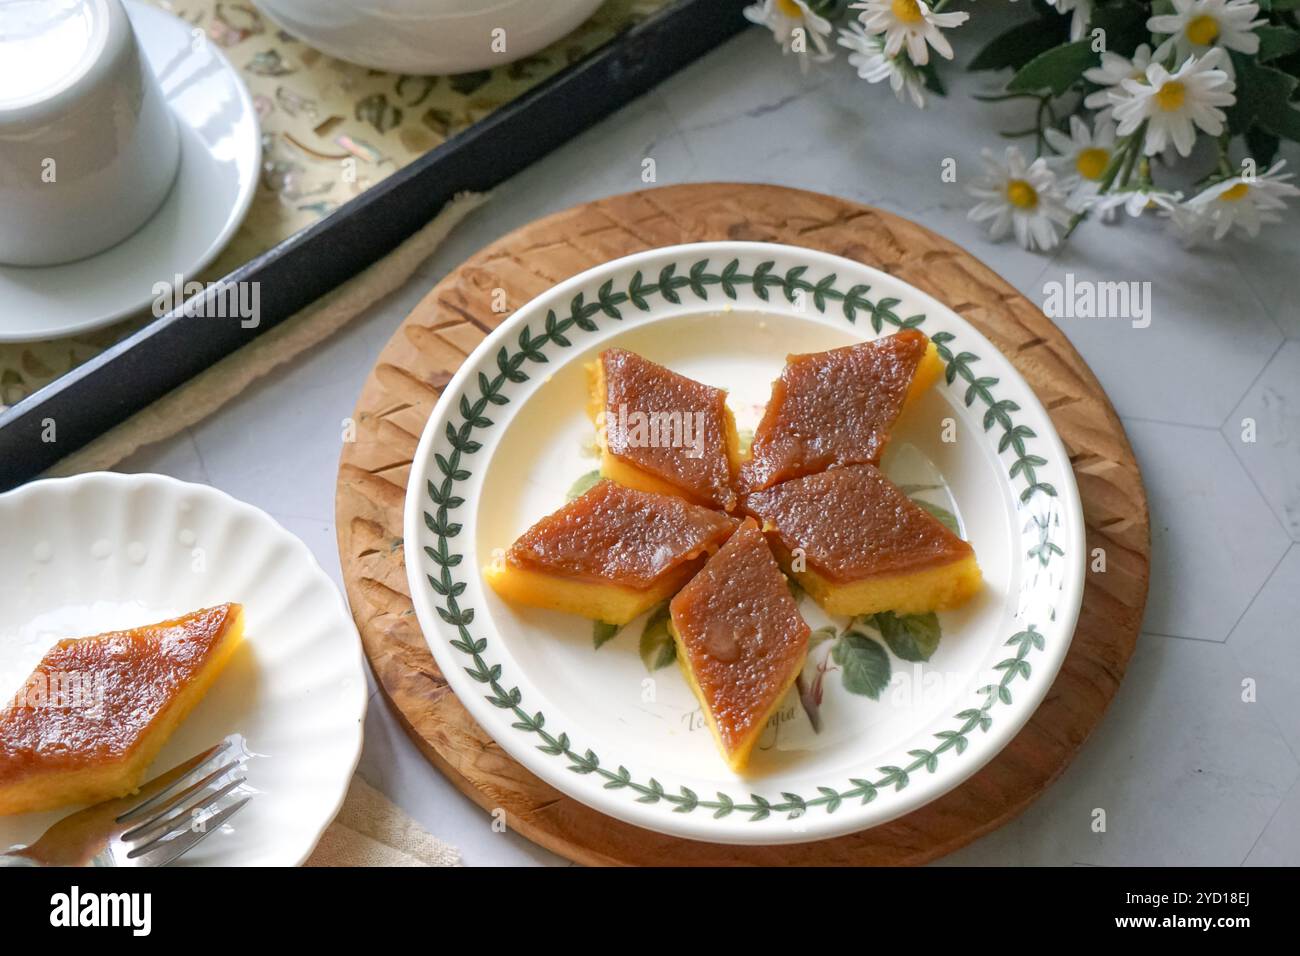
x,y
671,285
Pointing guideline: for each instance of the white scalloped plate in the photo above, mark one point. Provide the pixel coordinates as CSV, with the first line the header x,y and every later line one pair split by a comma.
x,y
104,551
508,439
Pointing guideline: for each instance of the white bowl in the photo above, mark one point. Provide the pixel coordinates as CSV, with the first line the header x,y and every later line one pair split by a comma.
x,y
428,36
507,440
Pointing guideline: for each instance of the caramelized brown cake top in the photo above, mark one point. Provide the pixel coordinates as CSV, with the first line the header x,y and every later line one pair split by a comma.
x,y
832,408
853,523
742,633
668,425
91,699
617,535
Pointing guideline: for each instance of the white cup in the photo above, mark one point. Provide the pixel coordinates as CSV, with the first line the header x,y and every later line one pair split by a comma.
x,y
88,145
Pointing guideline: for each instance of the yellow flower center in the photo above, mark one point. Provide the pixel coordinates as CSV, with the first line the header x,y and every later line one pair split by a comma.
x,y
1092,163
1236,192
1202,30
906,11
1021,195
1170,96
790,9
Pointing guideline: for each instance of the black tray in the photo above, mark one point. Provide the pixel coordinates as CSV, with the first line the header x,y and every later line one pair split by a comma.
x,y
167,352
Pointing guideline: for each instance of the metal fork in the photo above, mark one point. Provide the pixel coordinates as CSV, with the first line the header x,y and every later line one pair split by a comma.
x,y
153,826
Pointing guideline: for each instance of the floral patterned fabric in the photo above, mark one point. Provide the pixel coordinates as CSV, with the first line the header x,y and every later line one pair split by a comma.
x,y
330,131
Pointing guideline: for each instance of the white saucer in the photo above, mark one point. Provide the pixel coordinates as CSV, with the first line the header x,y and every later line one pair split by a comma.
x,y
221,152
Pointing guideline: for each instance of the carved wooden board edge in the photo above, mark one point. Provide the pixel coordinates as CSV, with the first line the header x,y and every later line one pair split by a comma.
x,y
457,314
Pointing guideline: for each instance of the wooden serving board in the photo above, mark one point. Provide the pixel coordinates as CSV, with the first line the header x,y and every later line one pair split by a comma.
x,y
456,315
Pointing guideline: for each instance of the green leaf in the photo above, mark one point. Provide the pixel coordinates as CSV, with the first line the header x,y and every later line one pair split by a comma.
x,y
1056,70
912,637
582,485
1271,91
895,775
945,517
602,632
1263,98
1289,64
1262,145
1017,46
930,77
864,665
657,646
822,634
833,799
796,589
830,9
1275,42
1125,25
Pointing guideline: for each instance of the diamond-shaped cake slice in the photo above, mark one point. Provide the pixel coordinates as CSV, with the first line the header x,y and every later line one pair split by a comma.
x,y
610,554
95,712
837,408
660,431
859,545
740,640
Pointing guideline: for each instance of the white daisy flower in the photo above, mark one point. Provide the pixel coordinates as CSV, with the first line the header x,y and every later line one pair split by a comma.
x,y
1083,156
1022,198
912,23
1175,105
795,26
1191,225
1241,202
1197,25
869,59
1134,202
1082,12
1113,71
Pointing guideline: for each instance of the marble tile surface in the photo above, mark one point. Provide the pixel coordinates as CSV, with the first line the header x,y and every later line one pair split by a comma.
x,y
1208,339
1186,771
1269,416
1209,524
1279,844
1266,646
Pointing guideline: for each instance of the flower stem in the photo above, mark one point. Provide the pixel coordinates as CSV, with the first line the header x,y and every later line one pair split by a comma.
x,y
1126,154
1225,168
1134,151
1144,173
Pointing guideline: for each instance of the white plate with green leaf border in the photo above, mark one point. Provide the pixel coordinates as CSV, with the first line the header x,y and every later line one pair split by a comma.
x,y
890,712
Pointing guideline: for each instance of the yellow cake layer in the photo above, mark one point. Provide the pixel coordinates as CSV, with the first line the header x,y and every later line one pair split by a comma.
x,y
109,779
927,373
625,472
738,759
66,788
611,603
934,589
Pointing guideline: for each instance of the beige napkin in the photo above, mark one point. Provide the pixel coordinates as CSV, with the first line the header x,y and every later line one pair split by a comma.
x,y
371,830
